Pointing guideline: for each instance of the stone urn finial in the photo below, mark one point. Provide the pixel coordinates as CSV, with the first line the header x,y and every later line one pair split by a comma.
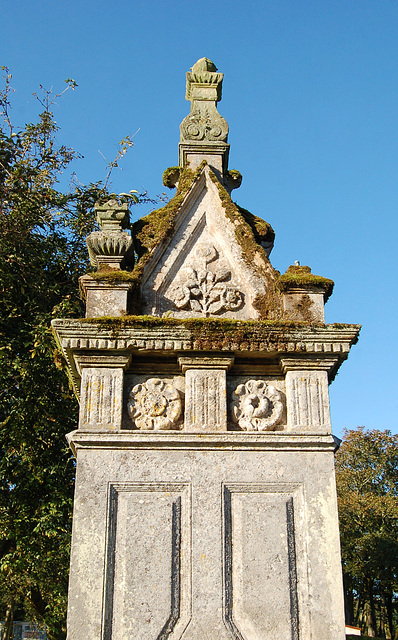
x,y
112,216
111,247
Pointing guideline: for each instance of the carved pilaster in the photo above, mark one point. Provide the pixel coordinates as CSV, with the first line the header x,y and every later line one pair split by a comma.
x,y
307,393
307,396
205,393
101,391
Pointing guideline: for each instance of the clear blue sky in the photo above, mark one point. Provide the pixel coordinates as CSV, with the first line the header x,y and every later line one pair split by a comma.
x,y
311,98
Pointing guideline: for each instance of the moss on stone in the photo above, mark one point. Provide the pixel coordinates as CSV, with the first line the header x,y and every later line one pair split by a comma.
x,y
262,230
235,174
201,328
148,232
208,332
247,227
270,305
301,277
113,275
158,225
233,179
171,176
205,324
251,232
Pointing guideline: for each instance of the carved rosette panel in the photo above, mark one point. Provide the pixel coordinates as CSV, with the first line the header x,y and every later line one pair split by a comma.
x,y
155,404
257,406
207,287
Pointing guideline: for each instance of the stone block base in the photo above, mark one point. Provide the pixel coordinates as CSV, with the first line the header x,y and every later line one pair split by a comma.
x,y
198,537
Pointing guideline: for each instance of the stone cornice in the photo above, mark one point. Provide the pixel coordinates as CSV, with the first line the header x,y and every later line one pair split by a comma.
x,y
123,333
322,346
231,440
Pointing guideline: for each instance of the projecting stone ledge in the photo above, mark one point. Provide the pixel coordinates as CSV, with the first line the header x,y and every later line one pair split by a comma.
x,y
232,441
201,334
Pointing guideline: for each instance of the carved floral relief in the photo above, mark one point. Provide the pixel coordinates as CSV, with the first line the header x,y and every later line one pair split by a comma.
x,y
155,404
206,287
257,406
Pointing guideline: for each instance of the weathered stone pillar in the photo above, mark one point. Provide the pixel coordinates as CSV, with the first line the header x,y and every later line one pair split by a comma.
x,y
205,502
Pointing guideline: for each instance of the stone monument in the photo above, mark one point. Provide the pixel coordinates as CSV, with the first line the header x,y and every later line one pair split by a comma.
x,y
205,503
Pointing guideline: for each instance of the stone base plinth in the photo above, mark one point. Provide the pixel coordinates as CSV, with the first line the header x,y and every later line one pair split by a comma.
x,y
199,536
105,298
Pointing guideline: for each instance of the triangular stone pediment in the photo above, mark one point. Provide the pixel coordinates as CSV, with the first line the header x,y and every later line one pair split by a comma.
x,y
201,269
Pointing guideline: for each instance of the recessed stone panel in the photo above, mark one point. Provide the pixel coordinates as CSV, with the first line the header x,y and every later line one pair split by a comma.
x,y
146,590
260,562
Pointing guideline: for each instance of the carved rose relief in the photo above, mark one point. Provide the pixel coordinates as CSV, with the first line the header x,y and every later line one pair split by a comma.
x,y
206,288
257,407
154,404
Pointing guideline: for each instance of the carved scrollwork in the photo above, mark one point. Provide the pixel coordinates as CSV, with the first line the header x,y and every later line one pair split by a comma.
x,y
207,289
204,124
155,404
258,406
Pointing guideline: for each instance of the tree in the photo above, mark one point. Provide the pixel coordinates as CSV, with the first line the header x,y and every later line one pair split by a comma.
x,y
367,486
42,255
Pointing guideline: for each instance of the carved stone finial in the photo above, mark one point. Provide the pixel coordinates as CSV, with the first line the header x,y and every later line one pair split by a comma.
x,y
204,133
203,82
111,215
111,247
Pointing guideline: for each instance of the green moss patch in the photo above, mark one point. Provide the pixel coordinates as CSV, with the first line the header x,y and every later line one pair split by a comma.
x,y
301,277
150,231
209,334
113,275
171,176
207,325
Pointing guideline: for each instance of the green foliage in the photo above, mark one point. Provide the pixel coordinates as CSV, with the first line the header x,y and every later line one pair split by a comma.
x,y
367,483
42,255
